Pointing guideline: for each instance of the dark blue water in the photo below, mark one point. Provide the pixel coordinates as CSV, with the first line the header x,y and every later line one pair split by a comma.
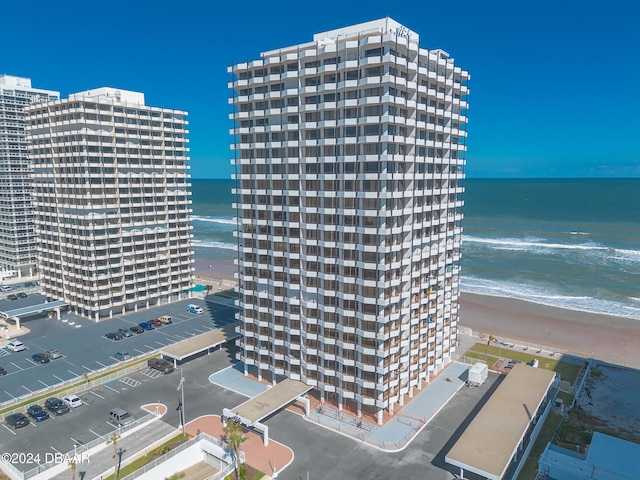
x,y
570,243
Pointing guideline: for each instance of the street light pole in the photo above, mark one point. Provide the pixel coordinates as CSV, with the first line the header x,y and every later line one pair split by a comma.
x,y
182,411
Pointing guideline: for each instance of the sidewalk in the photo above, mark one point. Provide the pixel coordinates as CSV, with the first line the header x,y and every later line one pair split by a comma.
x,y
101,458
398,429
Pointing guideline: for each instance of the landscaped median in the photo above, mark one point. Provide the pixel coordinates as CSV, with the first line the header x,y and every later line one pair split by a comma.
x,y
150,454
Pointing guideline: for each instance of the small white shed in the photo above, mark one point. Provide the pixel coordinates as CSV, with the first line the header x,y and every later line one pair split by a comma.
x,y
478,374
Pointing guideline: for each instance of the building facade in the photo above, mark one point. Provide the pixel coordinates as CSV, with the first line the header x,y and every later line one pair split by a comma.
x,y
349,154
113,201
17,236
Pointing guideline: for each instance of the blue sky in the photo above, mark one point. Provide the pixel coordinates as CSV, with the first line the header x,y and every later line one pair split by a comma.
x,y
553,83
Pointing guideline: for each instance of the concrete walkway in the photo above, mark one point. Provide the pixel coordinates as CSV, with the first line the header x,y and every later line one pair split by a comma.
x,y
396,433
101,458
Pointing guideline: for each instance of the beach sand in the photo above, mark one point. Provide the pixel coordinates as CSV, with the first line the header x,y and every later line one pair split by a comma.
x,y
606,337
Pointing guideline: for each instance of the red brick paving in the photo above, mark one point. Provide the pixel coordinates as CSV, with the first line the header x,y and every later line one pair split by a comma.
x,y
158,408
257,455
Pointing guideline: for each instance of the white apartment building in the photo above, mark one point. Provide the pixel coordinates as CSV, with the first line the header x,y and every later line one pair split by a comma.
x,y
113,201
17,236
349,154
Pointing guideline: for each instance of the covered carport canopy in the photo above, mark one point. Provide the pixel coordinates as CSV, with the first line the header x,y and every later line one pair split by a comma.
x,y
199,343
18,313
493,438
271,400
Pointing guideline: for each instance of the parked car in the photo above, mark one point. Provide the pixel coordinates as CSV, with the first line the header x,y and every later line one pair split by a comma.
x,y
17,420
22,295
120,417
53,354
40,358
72,401
160,364
122,356
29,284
194,309
155,322
165,319
114,336
124,332
136,329
37,413
5,288
2,371
55,405
146,326
13,296
16,346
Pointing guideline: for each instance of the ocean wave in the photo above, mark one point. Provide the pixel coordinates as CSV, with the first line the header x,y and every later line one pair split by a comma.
x,y
529,243
579,233
539,245
538,295
208,244
224,221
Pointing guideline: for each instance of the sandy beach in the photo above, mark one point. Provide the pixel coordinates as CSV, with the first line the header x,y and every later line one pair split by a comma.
x,y
609,338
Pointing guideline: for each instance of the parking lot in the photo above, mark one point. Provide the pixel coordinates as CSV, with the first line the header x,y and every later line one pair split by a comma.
x,y
61,434
86,349
340,457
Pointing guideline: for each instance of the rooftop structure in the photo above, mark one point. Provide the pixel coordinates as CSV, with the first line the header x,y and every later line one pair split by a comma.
x,y
506,419
349,153
17,236
113,200
608,457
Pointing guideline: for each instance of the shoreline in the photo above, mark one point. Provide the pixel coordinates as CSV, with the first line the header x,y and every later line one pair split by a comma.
x,y
588,334
607,337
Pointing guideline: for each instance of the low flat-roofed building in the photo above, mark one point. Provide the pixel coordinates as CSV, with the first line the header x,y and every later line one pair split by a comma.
x,y
505,419
607,458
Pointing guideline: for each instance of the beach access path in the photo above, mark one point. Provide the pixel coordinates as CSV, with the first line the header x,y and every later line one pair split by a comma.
x,y
605,337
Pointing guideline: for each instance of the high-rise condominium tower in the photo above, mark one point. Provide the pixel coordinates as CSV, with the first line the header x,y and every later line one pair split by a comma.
x,y
113,201
17,237
349,155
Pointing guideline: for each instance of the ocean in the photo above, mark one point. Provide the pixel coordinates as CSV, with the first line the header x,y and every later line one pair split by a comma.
x,y
571,243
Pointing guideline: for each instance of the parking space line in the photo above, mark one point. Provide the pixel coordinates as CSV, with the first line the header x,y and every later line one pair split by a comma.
x,y
55,449
101,364
19,368
179,336
96,434
33,423
86,368
160,343
30,361
150,348
111,388
76,441
139,351
43,383
59,378
27,389
73,373
9,429
99,396
9,394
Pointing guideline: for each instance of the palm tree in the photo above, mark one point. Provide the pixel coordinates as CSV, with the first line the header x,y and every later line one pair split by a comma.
x,y
72,463
176,476
113,439
234,436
